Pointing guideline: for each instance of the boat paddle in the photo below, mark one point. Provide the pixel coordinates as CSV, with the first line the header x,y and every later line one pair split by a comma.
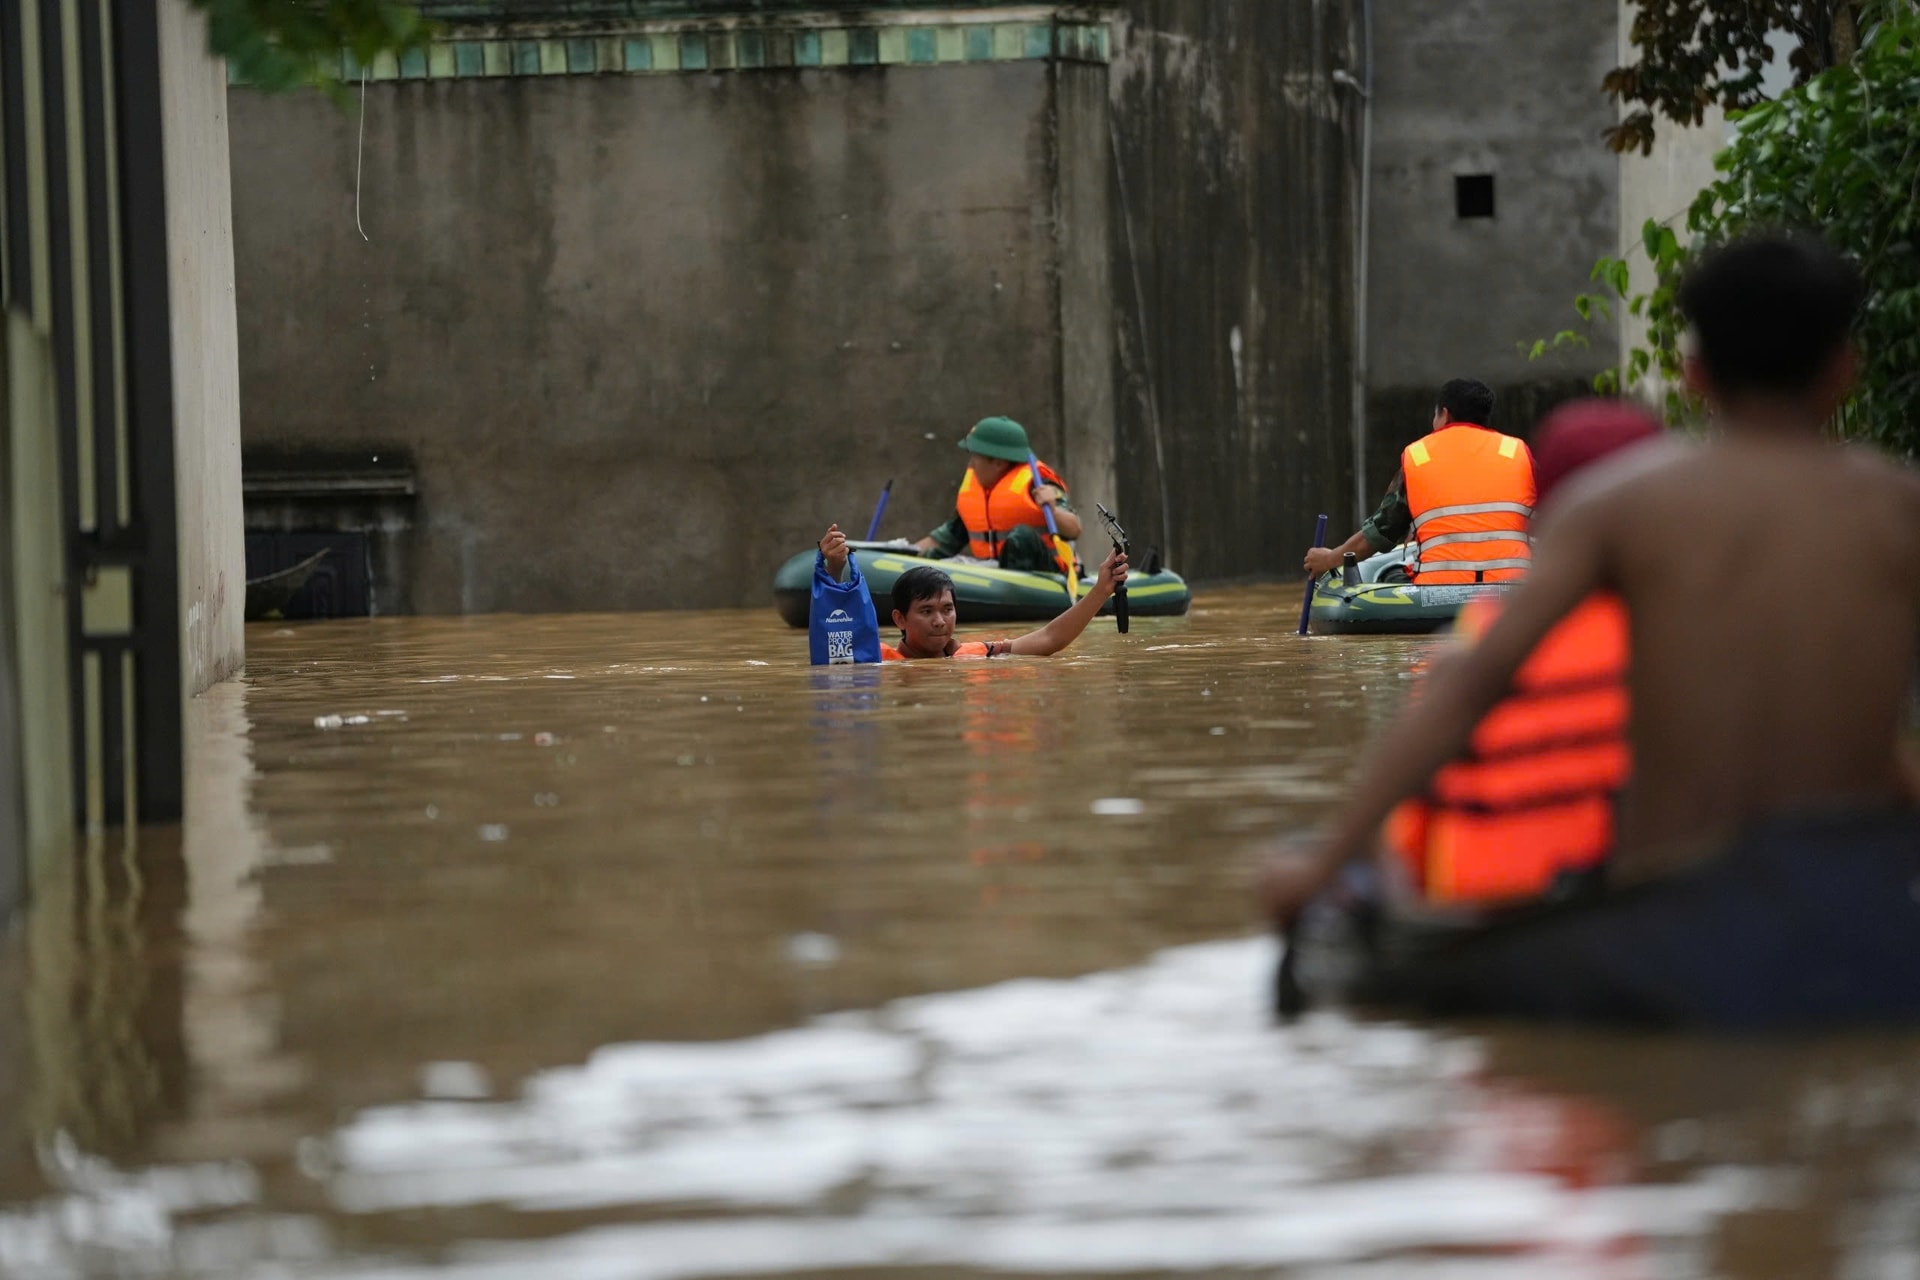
x,y
1060,546
1124,547
1306,605
873,525
1289,1001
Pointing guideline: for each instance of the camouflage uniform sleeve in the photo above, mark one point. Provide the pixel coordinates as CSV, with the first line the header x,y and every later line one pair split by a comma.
x,y
950,538
1389,526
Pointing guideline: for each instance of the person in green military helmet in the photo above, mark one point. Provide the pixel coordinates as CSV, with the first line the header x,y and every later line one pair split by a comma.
x,y
1000,516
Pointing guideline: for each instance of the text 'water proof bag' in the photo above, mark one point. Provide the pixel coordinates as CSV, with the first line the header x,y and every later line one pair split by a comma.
x,y
841,626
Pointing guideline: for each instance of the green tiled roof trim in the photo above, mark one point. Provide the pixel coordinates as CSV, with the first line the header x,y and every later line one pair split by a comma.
x,y
650,50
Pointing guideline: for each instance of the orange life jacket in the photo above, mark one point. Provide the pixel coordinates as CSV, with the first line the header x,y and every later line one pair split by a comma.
x,y
1534,792
990,515
1471,493
969,649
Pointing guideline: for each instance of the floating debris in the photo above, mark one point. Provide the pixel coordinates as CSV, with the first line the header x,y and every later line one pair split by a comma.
x,y
813,950
1118,807
456,1081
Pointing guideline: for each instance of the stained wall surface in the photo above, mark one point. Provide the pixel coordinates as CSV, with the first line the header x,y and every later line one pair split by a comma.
x,y
1233,270
1507,89
645,336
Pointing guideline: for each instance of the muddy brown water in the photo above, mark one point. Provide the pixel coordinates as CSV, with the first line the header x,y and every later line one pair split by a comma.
x,y
630,946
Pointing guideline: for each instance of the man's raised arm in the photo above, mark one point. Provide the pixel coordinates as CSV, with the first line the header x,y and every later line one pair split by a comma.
x,y
1066,628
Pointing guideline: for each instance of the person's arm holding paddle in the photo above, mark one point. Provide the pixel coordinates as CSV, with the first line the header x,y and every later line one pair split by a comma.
x,y
1387,528
1065,523
1066,628
1462,686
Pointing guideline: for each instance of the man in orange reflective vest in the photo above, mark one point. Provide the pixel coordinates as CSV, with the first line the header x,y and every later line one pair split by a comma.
x,y
1532,797
999,516
1464,492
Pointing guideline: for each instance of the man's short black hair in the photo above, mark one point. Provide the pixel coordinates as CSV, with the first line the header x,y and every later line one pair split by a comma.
x,y
1769,310
922,582
1467,400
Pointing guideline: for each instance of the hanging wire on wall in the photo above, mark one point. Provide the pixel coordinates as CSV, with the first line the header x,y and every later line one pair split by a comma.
x,y
359,151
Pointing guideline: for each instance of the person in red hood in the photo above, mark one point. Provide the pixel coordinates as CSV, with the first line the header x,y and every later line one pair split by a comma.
x,y
1531,799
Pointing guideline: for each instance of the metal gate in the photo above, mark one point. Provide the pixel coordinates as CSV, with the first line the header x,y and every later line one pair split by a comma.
x,y
90,587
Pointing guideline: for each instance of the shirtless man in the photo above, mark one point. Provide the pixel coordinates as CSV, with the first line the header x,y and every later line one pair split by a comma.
x,y
1766,688
924,610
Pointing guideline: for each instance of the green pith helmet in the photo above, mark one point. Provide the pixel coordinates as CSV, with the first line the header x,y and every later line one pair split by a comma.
x,y
998,438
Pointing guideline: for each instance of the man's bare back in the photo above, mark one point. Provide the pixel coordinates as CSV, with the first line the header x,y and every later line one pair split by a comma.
x,y
1774,586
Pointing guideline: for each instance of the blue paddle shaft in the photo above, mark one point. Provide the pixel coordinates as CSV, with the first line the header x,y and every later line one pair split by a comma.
x,y
873,525
1306,605
1046,509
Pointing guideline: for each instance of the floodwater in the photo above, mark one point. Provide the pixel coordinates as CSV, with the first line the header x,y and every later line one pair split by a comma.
x,y
631,947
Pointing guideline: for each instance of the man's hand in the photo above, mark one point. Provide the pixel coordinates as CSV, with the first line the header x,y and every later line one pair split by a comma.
x,y
834,547
1322,560
1294,872
1113,571
1046,495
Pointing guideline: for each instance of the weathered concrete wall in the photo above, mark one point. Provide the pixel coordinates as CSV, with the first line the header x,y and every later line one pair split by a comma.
x,y
1486,87
643,336
1232,278
206,381
1083,228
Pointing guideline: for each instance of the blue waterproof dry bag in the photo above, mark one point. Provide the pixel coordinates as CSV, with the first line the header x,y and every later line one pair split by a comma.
x,y
841,626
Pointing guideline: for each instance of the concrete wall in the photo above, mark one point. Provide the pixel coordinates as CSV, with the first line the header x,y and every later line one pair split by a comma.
x,y
1509,88
1083,230
643,336
206,387
1232,279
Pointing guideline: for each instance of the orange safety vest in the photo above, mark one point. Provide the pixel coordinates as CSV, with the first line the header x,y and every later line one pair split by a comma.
x,y
1534,793
991,515
970,649
1471,493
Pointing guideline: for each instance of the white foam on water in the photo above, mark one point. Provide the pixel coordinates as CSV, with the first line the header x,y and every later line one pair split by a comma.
x,y
1141,1120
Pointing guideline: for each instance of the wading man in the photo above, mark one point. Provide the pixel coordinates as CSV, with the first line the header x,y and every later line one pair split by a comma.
x,y
924,611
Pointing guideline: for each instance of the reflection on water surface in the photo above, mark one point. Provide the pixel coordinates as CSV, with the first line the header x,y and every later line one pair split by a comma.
x,y
630,946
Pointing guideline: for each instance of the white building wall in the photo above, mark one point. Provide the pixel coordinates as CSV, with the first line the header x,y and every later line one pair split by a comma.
x,y
206,354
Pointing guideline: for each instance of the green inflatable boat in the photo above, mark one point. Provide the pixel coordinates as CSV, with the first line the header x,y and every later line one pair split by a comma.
x,y
1389,608
983,594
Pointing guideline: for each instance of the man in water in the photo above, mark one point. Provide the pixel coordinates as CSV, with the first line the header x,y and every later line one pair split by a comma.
x,y
1768,803
1000,514
923,609
1464,491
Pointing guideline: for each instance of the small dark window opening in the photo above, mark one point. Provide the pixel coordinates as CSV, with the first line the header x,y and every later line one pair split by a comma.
x,y
1473,195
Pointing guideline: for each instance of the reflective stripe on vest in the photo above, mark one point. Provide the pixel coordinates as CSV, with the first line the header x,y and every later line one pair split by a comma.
x,y
1506,569
991,515
1472,509
1469,489
1533,795
1442,539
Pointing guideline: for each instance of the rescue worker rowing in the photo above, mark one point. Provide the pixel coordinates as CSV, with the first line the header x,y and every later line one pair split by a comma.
x,y
1464,492
1000,513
